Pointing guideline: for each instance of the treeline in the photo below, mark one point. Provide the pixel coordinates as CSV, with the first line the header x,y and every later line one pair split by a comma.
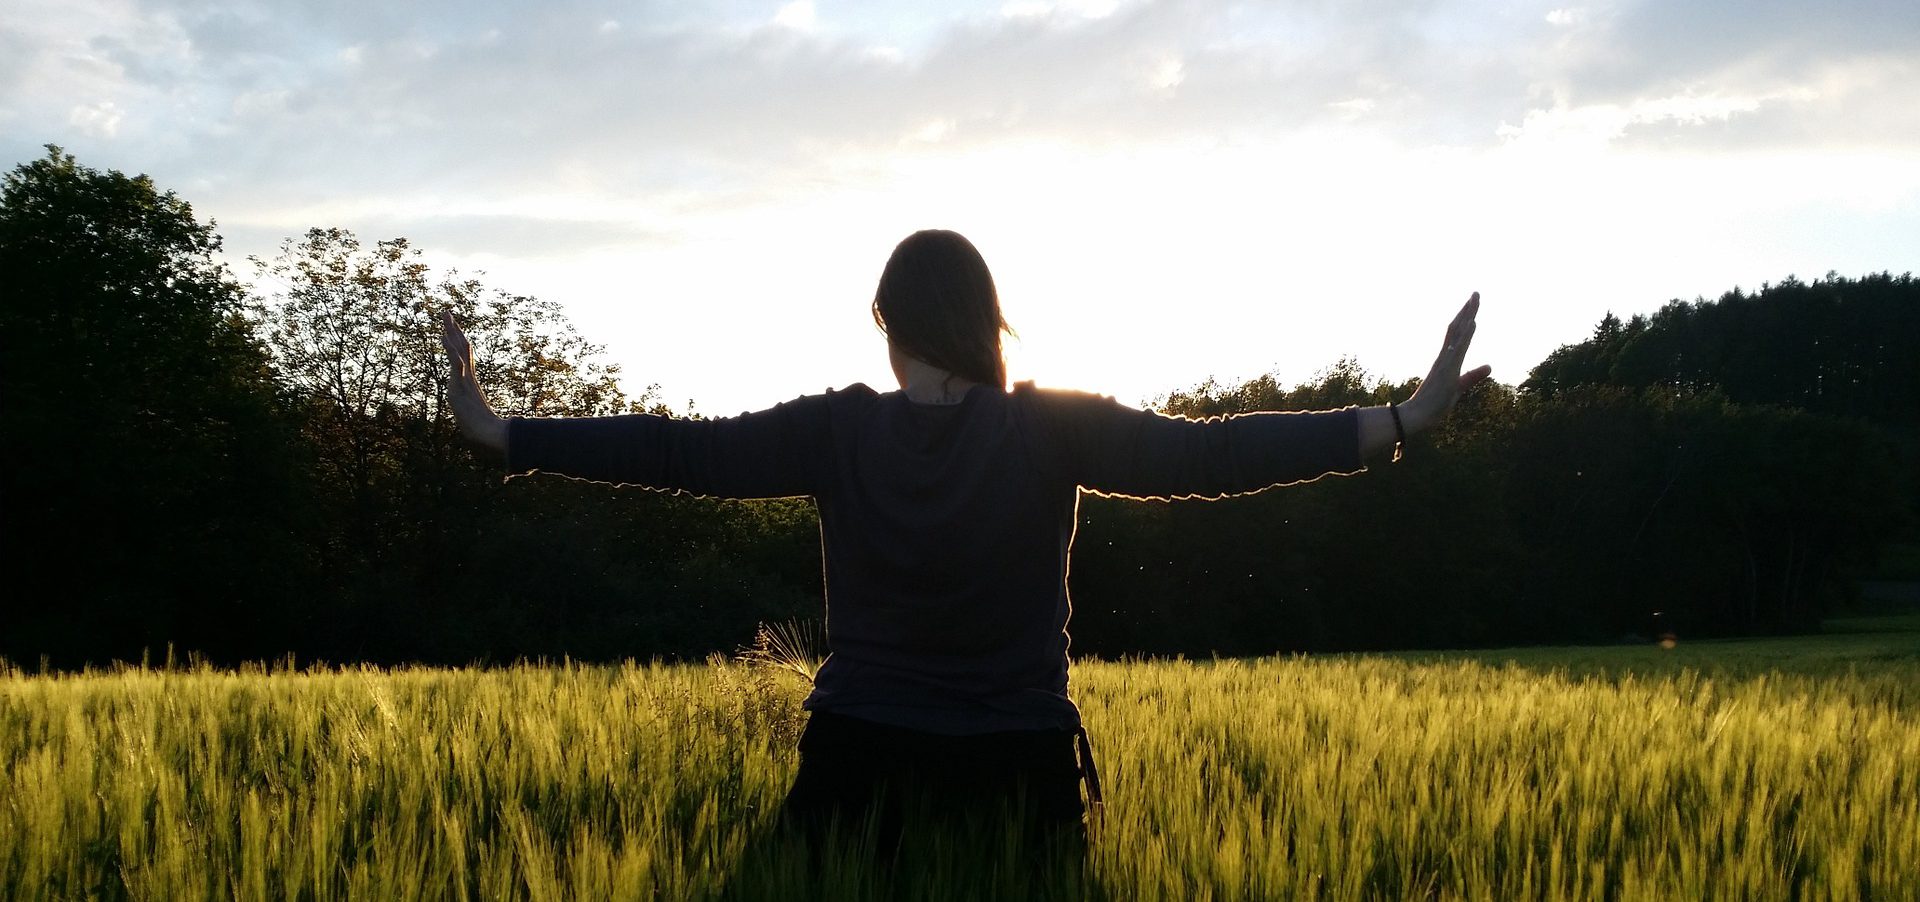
x,y
1596,513
252,473
186,463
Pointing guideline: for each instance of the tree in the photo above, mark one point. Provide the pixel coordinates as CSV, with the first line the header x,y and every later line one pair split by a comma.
x,y
1732,518
354,332
1836,346
144,463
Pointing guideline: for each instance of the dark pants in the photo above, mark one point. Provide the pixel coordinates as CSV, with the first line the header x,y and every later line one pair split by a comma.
x,y
858,772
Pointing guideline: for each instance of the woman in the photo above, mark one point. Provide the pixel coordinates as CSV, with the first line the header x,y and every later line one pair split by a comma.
x,y
947,512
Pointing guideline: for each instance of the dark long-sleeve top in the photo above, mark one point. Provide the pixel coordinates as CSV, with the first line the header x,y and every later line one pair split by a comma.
x,y
946,528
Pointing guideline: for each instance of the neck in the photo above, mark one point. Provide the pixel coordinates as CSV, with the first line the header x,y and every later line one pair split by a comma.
x,y
925,383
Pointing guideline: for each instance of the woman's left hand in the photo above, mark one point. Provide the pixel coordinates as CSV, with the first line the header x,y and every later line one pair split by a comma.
x,y
1445,383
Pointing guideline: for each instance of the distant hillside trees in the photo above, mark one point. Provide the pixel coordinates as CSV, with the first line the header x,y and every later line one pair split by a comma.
x,y
1835,346
1571,510
1839,347
1731,518
1413,554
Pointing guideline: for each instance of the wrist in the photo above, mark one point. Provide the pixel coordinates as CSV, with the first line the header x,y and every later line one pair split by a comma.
x,y
494,433
1417,414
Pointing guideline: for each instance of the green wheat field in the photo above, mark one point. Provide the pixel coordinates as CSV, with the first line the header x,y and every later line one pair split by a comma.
x,y
1780,768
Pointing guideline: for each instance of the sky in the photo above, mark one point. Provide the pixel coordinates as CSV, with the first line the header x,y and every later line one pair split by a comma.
x,y
1165,191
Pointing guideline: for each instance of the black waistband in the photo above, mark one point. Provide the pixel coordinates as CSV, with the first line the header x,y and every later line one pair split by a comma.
x,y
1096,804
828,732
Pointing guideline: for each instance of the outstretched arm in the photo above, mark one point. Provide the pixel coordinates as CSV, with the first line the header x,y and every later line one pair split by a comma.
x,y
475,417
1443,386
1114,449
773,453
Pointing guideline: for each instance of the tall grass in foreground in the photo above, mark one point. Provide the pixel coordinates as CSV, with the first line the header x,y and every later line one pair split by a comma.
x,y
1739,770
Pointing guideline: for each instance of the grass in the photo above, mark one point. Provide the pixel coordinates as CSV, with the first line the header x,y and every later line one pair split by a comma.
x,y
1778,768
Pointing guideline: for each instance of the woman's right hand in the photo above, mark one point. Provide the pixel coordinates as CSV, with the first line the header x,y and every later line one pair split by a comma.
x,y
476,419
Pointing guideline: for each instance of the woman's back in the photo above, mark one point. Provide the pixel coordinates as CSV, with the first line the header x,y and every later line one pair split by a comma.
x,y
945,528
945,531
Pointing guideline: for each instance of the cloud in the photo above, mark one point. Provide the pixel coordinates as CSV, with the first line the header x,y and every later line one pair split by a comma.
x,y
797,15
1803,74
515,236
683,107
1651,43
100,120
514,93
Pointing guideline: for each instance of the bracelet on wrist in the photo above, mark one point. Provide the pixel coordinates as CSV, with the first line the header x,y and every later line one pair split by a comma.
x,y
1399,432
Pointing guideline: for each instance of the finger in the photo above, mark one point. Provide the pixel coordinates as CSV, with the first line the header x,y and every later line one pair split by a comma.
x,y
1464,338
1468,311
1454,328
459,350
1474,377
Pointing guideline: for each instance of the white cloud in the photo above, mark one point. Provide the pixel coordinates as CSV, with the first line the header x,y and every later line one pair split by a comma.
x,y
1352,108
100,120
1598,124
797,15
1567,17
934,131
253,104
1041,9
1168,74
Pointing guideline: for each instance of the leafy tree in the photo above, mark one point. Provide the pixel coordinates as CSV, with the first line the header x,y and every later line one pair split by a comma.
x,y
354,332
145,468
433,557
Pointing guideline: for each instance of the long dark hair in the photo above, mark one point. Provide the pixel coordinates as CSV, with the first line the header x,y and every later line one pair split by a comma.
x,y
937,303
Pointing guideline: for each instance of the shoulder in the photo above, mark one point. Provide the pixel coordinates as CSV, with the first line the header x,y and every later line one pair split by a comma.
x,y
845,407
1034,394
857,393
854,396
1063,402
853,400
805,412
